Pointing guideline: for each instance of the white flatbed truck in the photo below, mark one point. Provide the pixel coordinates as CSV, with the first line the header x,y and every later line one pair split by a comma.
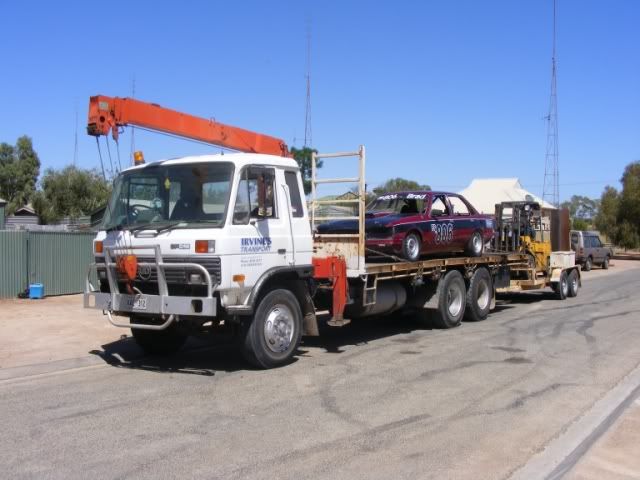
x,y
191,244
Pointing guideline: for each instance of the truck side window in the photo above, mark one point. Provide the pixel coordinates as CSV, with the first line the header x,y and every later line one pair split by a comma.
x,y
247,198
294,192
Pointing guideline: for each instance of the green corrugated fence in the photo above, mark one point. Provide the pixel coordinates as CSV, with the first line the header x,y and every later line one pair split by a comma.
x,y
13,262
59,260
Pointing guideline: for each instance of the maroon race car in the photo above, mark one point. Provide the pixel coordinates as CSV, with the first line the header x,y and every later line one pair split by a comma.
x,y
412,224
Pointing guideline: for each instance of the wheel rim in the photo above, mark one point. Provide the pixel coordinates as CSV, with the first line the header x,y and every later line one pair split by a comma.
x,y
574,283
278,328
413,247
477,243
564,285
483,295
454,300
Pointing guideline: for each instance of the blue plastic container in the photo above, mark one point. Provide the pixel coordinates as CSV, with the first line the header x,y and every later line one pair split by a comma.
x,y
36,290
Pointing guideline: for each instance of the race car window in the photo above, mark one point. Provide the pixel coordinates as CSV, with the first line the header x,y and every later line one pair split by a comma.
x,y
439,206
458,206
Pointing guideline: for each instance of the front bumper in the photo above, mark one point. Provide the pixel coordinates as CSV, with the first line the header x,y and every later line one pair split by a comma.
x,y
163,305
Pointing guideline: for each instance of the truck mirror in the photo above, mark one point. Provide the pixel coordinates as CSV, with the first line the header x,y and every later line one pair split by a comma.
x,y
265,194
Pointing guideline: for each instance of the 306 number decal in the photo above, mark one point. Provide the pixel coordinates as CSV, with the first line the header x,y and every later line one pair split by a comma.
x,y
443,232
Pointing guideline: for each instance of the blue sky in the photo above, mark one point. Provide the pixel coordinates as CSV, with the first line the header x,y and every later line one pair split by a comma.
x,y
440,92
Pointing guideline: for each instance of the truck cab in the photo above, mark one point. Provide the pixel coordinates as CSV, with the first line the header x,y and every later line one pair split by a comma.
x,y
199,234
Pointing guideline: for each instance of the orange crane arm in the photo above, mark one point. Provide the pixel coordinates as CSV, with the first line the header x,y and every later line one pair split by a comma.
x,y
107,114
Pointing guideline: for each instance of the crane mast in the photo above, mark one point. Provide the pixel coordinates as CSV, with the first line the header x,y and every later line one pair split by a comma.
x,y
108,114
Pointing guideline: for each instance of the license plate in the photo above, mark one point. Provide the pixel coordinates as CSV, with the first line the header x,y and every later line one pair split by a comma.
x,y
137,303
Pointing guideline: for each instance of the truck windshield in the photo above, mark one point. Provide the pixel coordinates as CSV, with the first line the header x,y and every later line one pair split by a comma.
x,y
155,196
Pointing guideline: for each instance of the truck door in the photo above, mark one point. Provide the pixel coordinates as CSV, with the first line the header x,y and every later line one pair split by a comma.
x,y
301,245
259,230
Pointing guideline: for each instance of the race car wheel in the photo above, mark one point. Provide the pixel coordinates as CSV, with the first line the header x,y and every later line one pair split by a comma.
x,y
411,247
475,247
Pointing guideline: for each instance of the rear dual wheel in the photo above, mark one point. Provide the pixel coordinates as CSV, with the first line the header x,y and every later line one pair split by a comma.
x,y
479,295
451,302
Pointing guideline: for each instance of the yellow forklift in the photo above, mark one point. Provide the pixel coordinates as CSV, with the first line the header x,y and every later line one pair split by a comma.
x,y
542,235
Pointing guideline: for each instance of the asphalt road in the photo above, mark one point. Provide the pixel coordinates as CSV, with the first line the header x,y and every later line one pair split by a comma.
x,y
384,399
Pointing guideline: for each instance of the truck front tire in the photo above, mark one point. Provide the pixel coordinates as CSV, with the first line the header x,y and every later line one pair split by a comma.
x,y
272,336
158,342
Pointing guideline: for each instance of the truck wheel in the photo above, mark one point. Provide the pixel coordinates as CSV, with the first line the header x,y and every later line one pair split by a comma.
x,y
411,247
273,335
451,301
475,247
588,263
158,342
573,284
562,288
605,263
479,295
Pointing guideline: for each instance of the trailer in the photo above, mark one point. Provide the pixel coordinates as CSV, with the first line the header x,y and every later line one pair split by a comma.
x,y
197,245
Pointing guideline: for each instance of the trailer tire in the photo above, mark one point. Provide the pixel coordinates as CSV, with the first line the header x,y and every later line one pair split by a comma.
x,y
479,295
273,334
573,284
475,246
562,287
158,342
451,301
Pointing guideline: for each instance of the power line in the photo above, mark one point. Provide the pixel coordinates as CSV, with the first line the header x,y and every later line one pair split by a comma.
x,y
551,189
133,129
75,142
307,114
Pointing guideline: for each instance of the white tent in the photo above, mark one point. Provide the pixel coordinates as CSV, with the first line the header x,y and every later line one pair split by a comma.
x,y
484,193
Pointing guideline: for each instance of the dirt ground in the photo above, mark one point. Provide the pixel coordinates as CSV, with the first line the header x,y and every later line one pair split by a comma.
x,y
58,328
51,329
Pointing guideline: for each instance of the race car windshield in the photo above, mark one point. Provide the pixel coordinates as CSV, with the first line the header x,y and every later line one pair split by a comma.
x,y
176,195
401,204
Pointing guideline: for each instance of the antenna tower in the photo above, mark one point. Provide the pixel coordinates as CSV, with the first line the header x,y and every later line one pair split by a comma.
x,y
551,189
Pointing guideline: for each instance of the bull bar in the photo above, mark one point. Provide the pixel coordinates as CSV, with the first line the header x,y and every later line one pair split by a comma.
x,y
168,307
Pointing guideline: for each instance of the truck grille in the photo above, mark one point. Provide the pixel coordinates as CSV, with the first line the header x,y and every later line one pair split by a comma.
x,y
174,275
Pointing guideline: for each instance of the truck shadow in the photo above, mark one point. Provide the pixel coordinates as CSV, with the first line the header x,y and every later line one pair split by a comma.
x,y
206,357
197,357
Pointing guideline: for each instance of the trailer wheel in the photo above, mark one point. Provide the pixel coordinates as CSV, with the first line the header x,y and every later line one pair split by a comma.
x,y
573,284
273,334
475,247
451,302
562,288
479,295
158,342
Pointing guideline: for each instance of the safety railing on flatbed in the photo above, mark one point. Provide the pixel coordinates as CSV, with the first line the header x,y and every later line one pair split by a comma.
x,y
349,245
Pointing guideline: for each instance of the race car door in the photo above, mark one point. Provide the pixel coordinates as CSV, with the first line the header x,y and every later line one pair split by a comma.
x,y
440,236
463,223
